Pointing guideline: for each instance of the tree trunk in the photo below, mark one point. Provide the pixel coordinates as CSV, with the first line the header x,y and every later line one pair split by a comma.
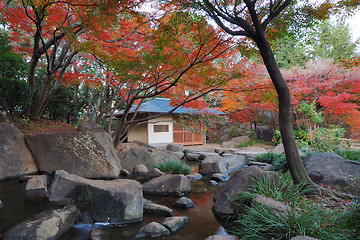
x,y
296,166
40,97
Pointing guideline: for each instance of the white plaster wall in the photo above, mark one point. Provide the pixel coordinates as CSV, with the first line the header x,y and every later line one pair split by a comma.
x,y
158,138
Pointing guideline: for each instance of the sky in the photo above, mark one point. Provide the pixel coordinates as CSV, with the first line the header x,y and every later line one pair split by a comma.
x,y
354,24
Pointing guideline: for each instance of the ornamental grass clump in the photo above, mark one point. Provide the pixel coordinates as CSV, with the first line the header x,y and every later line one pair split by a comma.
x,y
173,167
277,160
306,217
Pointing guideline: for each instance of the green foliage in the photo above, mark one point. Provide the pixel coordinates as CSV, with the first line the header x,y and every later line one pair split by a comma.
x,y
331,40
289,52
306,217
13,70
326,139
351,154
277,160
62,104
234,131
319,139
310,111
324,39
278,186
173,167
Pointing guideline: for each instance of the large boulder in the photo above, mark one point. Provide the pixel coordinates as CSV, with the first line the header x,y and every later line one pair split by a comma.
x,y
15,157
264,133
90,127
86,154
169,184
222,237
37,185
153,230
333,170
221,164
118,201
174,223
5,115
135,153
49,225
175,147
157,209
240,181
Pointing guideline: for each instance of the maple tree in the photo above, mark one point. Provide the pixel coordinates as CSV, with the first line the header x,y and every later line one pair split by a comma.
x,y
334,89
177,59
259,21
51,33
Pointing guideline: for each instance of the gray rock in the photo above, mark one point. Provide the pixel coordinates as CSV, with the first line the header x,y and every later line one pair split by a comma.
x,y
222,237
86,154
49,225
279,149
221,164
262,165
153,229
90,127
99,234
175,148
192,156
15,157
135,153
213,182
333,170
117,201
303,238
140,169
240,181
264,133
153,208
153,173
174,223
220,177
204,155
228,144
125,173
240,139
180,155
169,184
37,185
5,115
1,204
273,205
194,177
184,202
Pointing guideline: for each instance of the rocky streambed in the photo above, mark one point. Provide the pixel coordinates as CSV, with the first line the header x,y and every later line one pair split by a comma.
x,y
201,222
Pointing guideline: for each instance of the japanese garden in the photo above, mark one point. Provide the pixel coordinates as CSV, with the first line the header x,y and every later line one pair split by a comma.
x,y
186,119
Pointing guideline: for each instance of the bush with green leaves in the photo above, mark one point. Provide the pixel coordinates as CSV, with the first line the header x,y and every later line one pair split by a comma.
x,y
277,160
305,217
351,154
13,71
173,167
234,131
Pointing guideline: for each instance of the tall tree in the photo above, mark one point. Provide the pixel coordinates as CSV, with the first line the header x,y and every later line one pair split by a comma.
x,y
253,19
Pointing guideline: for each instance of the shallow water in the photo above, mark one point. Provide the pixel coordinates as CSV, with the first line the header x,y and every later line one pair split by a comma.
x,y
201,221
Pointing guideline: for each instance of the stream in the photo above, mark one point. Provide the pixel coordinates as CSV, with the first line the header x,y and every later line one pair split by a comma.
x,y
201,221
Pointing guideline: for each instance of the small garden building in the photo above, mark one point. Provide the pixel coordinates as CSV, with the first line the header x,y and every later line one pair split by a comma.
x,y
166,128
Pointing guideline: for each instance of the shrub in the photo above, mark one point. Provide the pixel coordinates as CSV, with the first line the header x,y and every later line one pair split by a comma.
x,y
350,154
306,216
234,131
173,167
277,160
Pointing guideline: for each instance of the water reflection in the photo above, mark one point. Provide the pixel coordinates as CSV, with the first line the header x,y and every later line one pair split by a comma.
x,y
201,221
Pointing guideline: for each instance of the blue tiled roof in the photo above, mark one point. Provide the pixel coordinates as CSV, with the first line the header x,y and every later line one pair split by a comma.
x,y
162,105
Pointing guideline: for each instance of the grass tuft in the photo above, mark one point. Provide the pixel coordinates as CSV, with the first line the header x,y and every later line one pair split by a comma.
x,y
173,167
